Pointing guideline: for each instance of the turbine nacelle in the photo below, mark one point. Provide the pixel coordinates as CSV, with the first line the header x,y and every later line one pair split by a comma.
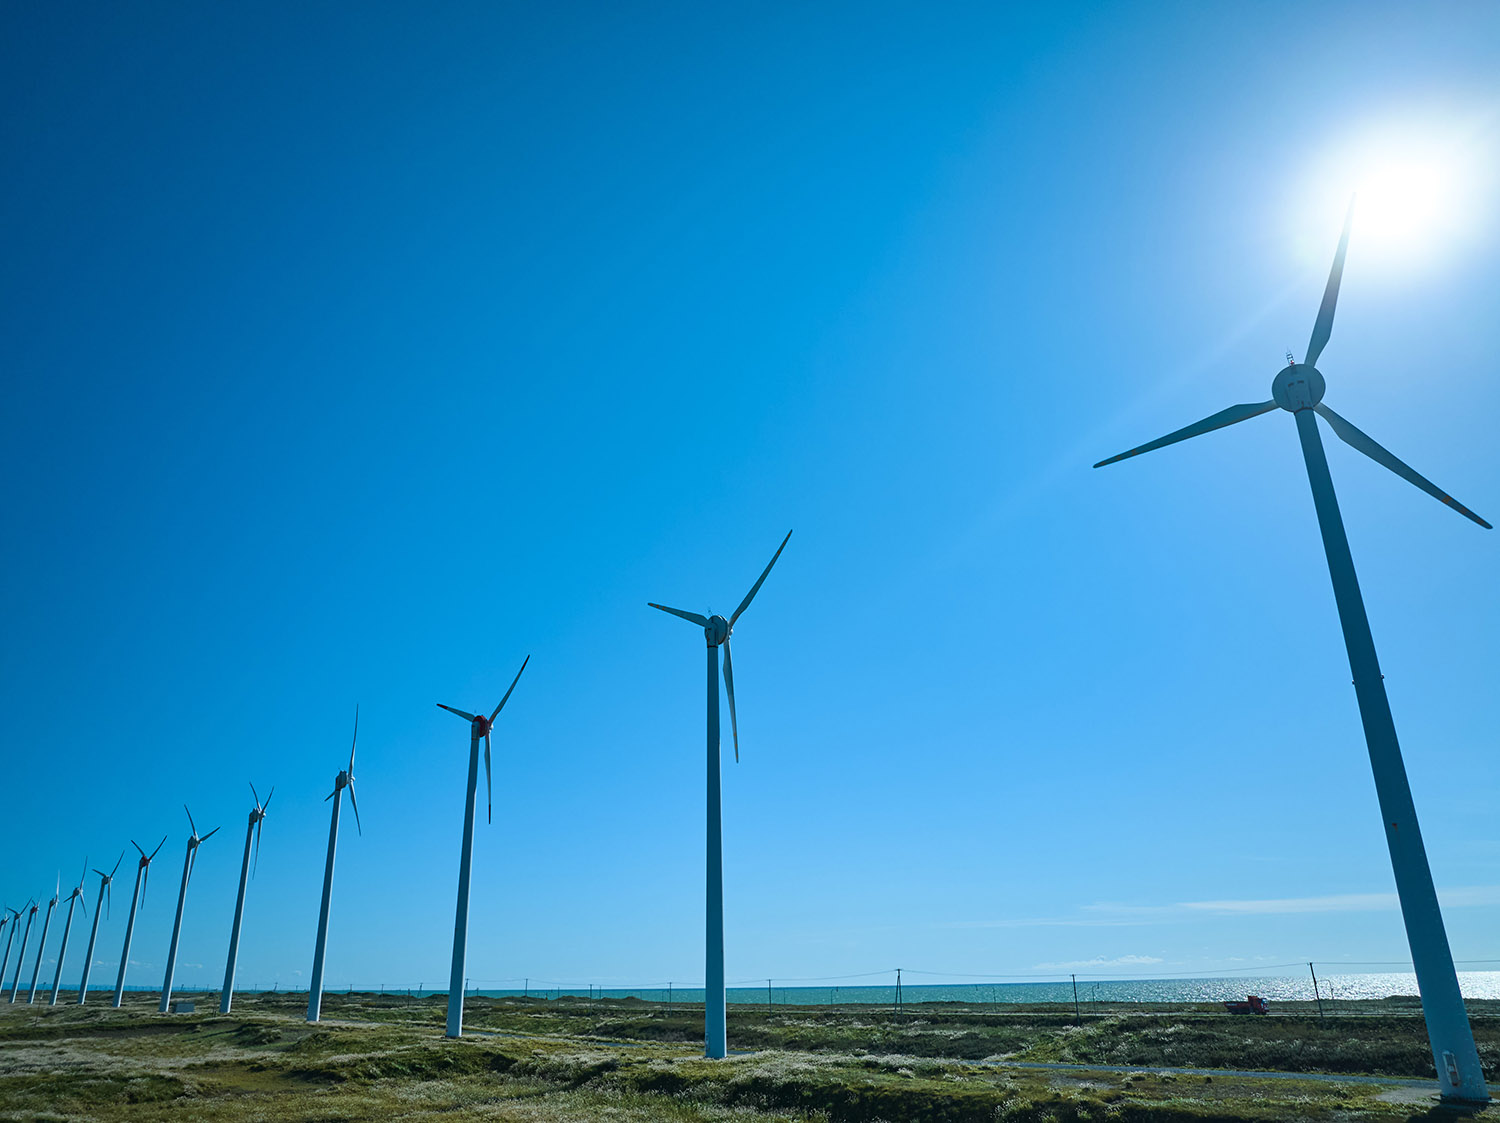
x,y
717,630
1299,386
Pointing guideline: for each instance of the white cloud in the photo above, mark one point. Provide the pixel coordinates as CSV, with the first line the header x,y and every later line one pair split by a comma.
x,y
1100,961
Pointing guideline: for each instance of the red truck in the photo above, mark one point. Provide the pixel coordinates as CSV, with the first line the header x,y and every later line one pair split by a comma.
x,y
1253,1004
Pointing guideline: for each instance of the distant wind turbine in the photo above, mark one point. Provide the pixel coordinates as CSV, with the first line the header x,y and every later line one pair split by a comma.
x,y
41,945
345,779
188,860
257,817
479,726
74,898
1298,389
105,880
138,898
717,631
15,982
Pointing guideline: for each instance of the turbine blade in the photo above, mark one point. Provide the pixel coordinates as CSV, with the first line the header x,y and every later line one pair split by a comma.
x,y
82,901
513,682
701,621
137,845
209,835
355,804
353,741
1365,444
159,845
460,713
489,797
256,794
330,795
744,604
117,864
734,724
1323,328
258,824
269,796
190,820
1230,416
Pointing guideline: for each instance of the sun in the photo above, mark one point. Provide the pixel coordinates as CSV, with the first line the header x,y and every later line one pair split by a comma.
x,y
1419,189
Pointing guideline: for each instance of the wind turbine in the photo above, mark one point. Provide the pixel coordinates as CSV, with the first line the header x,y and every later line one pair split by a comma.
x,y
188,860
74,898
15,982
142,873
717,631
257,817
41,944
1298,389
479,726
345,779
4,920
105,880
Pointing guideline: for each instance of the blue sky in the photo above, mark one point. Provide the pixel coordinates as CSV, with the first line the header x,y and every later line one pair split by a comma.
x,y
352,354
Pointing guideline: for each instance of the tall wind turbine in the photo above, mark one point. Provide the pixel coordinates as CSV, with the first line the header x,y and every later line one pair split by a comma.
x,y
717,631
105,880
257,817
345,779
479,726
5,920
142,873
188,860
1298,389
41,945
15,982
74,898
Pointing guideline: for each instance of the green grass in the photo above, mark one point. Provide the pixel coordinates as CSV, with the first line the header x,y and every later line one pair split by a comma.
x,y
576,1060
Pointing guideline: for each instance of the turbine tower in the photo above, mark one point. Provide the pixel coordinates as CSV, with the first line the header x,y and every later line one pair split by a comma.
x,y
15,982
142,873
257,817
74,898
717,631
345,779
479,726
4,920
99,905
41,945
187,871
1298,389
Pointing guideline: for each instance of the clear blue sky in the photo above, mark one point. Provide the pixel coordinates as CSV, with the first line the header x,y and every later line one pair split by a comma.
x,y
353,352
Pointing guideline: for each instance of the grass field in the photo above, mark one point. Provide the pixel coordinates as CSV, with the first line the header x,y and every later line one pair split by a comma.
x,y
379,1057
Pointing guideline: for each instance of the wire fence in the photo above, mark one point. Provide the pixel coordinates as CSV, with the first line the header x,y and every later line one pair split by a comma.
x,y
1333,985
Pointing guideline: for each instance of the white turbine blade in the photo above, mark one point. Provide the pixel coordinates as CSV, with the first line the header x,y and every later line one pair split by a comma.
x,y
137,845
1365,444
1323,328
734,725
489,798
460,713
209,835
701,621
269,796
355,804
159,845
117,865
354,740
330,795
1231,416
190,820
256,794
513,682
755,588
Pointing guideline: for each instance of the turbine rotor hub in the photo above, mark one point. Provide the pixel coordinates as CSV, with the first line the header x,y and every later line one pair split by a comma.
x,y
481,726
1298,387
717,631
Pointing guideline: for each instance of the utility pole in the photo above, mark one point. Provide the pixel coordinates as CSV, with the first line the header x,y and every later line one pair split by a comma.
x,y
1077,1013
1318,995
768,996
669,998
898,992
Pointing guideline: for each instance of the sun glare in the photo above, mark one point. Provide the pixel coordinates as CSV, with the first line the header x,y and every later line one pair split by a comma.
x,y
1417,193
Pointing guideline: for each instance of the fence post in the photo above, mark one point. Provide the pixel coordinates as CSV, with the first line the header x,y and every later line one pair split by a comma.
x,y
1077,1013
